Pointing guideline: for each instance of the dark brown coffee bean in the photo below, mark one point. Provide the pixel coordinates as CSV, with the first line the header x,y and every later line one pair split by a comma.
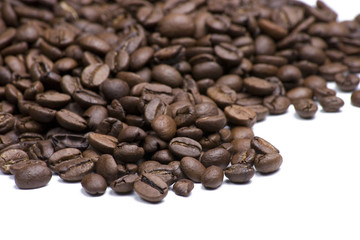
x,y
106,166
347,82
32,176
165,172
331,103
211,123
164,126
222,95
140,57
261,146
264,45
94,184
299,93
207,70
329,70
183,146
228,54
7,122
19,165
41,150
239,115
190,132
42,114
183,187
131,134
268,162
277,104
102,143
86,98
117,60
94,74
155,108
74,170
212,177
27,124
192,168
94,44
128,153
114,89
10,157
65,140
151,188
52,99
94,115
239,173
70,120
167,75
305,108
176,25
258,86
183,113
216,156
124,184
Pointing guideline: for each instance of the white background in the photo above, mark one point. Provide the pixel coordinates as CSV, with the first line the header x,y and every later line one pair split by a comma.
x,y
315,195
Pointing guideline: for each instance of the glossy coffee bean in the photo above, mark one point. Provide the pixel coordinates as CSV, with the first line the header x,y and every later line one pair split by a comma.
x,y
183,187
32,176
268,162
124,184
239,173
151,188
192,168
94,184
212,177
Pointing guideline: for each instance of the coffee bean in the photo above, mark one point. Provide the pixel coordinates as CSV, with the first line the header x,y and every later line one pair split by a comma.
x,y
128,153
183,187
212,177
103,143
305,108
94,184
32,176
114,88
94,44
151,188
74,170
176,25
164,126
124,184
7,122
268,162
239,173
331,103
277,104
70,120
94,74
192,168
167,75
346,82
183,146
217,156
10,157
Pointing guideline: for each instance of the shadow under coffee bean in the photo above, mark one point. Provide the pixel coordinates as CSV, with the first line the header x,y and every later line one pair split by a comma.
x,y
165,95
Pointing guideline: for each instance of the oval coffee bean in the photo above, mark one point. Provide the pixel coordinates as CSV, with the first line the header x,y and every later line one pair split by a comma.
x,y
94,184
106,166
164,126
192,168
70,120
185,147
217,156
212,177
102,143
239,173
268,162
32,176
151,188
240,115
124,184
74,170
93,75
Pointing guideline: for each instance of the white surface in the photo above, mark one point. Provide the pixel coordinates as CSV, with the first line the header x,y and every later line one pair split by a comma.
x,y
313,196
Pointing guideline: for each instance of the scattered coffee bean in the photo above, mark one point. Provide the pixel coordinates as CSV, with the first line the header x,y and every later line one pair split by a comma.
x,y
94,184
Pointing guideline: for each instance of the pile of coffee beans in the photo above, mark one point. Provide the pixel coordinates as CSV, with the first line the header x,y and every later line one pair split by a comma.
x,y
146,96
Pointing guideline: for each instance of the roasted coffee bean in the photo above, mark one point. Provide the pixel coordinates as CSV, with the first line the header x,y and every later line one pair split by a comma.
x,y
10,157
305,108
192,168
346,82
212,177
74,170
211,123
217,156
268,162
65,140
131,134
117,60
94,44
167,75
93,75
183,146
94,115
190,132
165,172
207,70
184,113
355,98
163,156
114,89
242,132
277,104
239,173
176,25
86,98
155,108
239,115
183,187
261,146
328,71
222,95
41,150
19,165
102,143
124,184
258,86
32,176
70,120
244,157
94,184
331,103
106,166
151,188
128,153
164,126
299,93
63,155
7,122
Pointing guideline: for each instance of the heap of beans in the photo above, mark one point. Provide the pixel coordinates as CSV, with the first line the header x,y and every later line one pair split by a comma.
x,y
157,95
